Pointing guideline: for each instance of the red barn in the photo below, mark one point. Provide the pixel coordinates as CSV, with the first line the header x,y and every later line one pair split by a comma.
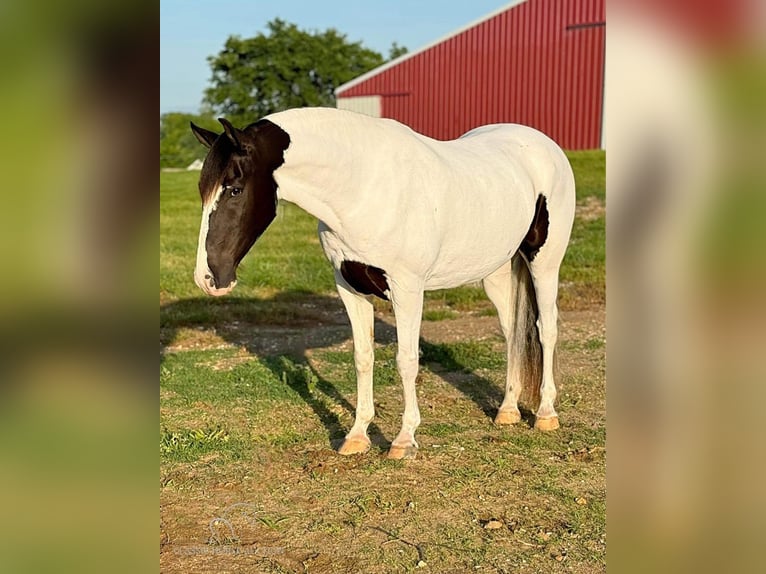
x,y
533,62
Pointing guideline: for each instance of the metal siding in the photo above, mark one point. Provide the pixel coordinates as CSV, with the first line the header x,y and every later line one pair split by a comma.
x,y
368,105
522,65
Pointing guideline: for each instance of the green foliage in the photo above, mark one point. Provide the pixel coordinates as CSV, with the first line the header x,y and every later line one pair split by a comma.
x,y
178,146
285,68
396,50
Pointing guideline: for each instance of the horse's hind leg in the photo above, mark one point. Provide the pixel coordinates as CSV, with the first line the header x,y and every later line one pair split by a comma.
x,y
360,314
499,287
545,277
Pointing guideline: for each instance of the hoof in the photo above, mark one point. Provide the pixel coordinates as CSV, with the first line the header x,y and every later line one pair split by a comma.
x,y
402,452
547,424
354,446
508,417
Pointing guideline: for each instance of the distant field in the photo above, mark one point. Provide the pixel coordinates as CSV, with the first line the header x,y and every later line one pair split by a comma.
x,y
257,387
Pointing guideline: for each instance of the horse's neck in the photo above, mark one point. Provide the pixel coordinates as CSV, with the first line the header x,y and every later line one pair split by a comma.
x,y
322,170
313,184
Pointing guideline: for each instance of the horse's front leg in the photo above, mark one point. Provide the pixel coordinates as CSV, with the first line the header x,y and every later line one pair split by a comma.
x,y
360,313
408,309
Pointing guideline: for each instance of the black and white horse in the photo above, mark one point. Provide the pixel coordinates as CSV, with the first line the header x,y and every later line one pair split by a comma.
x,y
400,213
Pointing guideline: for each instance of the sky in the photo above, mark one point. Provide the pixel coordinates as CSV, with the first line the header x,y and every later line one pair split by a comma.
x,y
192,30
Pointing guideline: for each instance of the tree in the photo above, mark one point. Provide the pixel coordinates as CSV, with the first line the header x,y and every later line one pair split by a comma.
x,y
285,68
178,146
396,50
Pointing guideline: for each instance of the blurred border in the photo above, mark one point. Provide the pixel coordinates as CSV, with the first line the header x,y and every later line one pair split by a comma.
x,y
78,230
685,130
685,273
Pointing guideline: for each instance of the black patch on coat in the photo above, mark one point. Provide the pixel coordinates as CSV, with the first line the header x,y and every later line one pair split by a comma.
x,y
365,279
538,230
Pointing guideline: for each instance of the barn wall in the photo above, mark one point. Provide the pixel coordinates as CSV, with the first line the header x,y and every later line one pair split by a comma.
x,y
369,105
540,63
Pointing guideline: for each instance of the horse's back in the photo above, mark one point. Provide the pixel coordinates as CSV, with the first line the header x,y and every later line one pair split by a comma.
x,y
515,142
499,170
535,154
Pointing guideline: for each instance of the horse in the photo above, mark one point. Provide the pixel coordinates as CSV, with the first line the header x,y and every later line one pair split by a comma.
x,y
400,214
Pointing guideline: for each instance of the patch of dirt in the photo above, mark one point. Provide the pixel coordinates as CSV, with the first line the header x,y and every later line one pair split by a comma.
x,y
590,209
196,339
278,340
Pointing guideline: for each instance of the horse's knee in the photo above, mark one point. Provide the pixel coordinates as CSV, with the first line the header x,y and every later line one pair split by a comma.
x,y
364,360
407,364
548,338
548,331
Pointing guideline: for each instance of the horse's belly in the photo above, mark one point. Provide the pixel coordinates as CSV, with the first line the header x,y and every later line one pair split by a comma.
x,y
459,270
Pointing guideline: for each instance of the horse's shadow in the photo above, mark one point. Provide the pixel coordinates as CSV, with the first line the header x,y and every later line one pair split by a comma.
x,y
283,330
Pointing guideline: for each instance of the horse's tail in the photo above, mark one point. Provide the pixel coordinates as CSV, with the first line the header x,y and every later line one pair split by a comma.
x,y
525,349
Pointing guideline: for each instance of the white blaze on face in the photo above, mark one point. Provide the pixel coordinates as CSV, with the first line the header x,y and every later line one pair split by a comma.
x,y
203,277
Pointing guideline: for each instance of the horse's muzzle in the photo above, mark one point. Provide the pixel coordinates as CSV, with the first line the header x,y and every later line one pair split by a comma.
x,y
205,281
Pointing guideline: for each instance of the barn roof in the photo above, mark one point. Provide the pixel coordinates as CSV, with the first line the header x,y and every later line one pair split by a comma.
x,y
395,62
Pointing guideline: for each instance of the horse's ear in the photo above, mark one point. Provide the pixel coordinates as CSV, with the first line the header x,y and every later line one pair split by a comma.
x,y
205,137
231,132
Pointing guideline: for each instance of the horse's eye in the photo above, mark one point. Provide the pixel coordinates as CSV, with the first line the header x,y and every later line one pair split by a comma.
x,y
233,191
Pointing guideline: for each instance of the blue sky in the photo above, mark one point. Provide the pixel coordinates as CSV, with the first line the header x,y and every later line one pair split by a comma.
x,y
192,30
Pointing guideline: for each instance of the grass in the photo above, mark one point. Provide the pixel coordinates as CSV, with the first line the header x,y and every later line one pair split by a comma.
x,y
256,388
463,355
192,444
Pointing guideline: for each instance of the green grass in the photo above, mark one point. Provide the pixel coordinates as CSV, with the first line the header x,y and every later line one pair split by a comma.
x,y
441,429
583,271
460,298
590,173
439,314
193,376
191,444
463,355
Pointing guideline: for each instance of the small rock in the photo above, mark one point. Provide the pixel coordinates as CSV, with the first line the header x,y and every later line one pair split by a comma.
x,y
421,564
581,501
493,525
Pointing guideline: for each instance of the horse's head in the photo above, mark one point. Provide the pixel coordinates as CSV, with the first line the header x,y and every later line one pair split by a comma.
x,y
239,197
